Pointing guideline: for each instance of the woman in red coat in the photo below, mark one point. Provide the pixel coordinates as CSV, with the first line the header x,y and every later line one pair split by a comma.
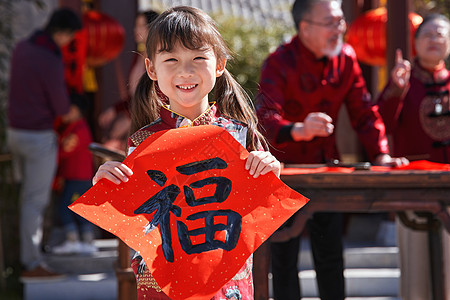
x,y
415,109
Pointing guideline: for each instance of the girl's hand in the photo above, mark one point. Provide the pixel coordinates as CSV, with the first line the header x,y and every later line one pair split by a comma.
x,y
402,70
114,171
262,162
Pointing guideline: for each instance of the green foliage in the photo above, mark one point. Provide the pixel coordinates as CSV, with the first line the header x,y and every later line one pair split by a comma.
x,y
251,44
425,7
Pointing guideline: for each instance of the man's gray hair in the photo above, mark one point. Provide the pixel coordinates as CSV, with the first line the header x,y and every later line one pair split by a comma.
x,y
303,7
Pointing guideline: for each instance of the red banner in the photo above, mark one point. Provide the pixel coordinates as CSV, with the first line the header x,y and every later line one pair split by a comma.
x,y
413,165
191,209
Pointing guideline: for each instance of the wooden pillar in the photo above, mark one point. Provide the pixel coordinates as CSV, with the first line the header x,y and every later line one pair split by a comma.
x,y
370,73
261,263
124,11
397,31
125,276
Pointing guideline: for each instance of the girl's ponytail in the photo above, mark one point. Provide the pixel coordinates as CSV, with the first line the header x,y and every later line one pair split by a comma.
x,y
234,102
145,104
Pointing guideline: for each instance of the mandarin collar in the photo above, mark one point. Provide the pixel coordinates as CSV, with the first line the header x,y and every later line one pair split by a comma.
x,y
170,117
304,51
425,75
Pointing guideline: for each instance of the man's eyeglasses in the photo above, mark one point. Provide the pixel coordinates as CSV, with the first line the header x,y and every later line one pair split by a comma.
x,y
330,25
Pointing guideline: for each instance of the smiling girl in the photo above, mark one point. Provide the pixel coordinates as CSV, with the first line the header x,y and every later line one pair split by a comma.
x,y
186,60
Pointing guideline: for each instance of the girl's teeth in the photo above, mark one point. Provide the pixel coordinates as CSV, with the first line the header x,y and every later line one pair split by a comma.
x,y
187,87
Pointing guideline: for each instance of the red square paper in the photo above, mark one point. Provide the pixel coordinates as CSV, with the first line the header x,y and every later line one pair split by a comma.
x,y
210,215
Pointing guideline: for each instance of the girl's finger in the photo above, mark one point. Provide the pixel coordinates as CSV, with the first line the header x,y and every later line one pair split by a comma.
x,y
265,160
105,175
115,164
249,160
268,168
258,168
253,160
126,169
117,172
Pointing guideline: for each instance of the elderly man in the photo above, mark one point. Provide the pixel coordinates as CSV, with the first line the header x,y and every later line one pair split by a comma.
x,y
303,85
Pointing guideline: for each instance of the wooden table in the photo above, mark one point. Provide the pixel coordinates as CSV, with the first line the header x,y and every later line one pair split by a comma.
x,y
367,191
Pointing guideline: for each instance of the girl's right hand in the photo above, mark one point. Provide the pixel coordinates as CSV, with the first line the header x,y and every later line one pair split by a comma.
x,y
401,71
114,171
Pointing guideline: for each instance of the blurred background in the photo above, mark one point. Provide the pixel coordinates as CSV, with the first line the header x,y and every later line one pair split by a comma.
x,y
99,65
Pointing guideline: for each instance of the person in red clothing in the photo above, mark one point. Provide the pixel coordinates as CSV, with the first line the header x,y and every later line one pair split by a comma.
x,y
303,85
75,170
415,108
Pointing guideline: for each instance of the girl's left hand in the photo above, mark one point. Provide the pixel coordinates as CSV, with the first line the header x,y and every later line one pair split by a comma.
x,y
262,162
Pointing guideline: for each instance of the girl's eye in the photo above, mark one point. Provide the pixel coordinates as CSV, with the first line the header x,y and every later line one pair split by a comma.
x,y
199,57
171,59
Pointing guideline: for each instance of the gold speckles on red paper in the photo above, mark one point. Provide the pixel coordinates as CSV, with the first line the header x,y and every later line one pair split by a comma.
x,y
263,204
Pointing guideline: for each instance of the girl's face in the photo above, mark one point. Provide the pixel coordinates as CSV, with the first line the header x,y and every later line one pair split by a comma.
x,y
433,42
186,77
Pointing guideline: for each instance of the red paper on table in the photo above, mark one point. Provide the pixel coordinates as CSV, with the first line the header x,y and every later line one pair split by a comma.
x,y
413,165
191,209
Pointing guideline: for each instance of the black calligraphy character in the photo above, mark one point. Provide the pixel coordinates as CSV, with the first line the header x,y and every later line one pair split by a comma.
x,y
223,184
203,165
222,192
223,189
162,203
232,228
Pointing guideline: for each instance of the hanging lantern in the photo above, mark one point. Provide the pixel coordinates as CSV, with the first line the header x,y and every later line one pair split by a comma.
x,y
106,38
367,35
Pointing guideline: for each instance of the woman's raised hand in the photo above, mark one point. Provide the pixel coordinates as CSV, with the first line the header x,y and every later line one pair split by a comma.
x,y
401,71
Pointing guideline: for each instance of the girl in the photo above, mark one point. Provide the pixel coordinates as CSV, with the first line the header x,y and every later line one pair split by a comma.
x,y
186,61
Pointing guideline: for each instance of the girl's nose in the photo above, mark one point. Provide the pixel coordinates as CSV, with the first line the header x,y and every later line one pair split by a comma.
x,y
186,69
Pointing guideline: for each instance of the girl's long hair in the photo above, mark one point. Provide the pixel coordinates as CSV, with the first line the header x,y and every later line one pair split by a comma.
x,y
194,29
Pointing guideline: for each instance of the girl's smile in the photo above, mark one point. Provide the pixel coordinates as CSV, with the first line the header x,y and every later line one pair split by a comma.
x,y
187,87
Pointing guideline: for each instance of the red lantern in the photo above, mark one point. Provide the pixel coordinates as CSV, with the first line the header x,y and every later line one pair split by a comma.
x,y
106,38
367,34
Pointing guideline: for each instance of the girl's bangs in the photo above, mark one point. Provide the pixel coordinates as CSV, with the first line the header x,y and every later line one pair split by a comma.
x,y
193,32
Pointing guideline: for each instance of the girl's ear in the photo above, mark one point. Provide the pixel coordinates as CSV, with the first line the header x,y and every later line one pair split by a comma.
x,y
150,69
220,68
